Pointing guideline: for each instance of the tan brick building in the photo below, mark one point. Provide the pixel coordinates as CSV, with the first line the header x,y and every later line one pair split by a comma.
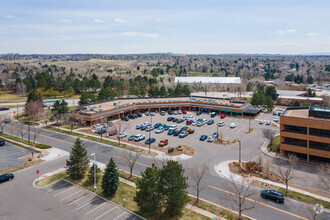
x,y
305,131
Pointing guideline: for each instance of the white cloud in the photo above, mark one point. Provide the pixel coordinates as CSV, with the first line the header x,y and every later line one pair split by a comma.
x,y
98,21
311,34
65,20
287,31
288,44
10,16
120,20
138,34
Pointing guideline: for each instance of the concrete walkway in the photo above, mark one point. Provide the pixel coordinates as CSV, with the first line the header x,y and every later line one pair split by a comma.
x,y
222,169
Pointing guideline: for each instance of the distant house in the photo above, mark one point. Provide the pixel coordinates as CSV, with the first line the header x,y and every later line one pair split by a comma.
x,y
209,80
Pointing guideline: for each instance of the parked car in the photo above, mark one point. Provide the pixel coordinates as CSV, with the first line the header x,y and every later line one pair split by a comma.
x,y
209,122
189,122
221,124
179,121
147,124
170,118
215,135
101,131
149,128
194,123
160,130
157,125
150,140
213,114
139,114
273,195
112,133
176,133
175,112
268,122
261,122
199,124
147,113
210,139
183,134
152,113
184,111
125,118
7,120
171,131
138,126
171,127
163,143
276,119
131,117
232,125
274,113
135,115
122,135
198,113
143,127
279,113
203,137
6,177
131,138
2,142
190,131
222,116
162,113
179,112
170,112
139,137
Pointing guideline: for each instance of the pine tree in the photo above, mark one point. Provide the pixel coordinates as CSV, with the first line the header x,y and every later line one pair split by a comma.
x,y
174,186
78,161
110,179
148,196
91,173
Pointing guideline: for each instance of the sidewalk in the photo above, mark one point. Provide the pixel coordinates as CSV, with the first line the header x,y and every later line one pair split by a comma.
x,y
222,169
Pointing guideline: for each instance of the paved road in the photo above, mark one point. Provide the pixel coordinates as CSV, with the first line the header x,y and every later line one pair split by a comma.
x,y
10,154
214,192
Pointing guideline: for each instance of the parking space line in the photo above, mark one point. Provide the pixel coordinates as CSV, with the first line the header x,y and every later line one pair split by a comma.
x,y
120,215
78,199
96,208
87,203
71,195
63,191
106,213
51,190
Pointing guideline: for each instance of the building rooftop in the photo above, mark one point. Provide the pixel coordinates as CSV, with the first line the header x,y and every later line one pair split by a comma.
x,y
218,80
290,93
301,98
316,112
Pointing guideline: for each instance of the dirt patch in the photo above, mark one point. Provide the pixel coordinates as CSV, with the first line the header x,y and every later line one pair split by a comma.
x,y
253,169
225,142
249,131
182,149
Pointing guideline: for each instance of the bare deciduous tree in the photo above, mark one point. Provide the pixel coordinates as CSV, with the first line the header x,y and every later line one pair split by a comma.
x,y
324,176
34,108
71,120
312,212
131,157
21,88
35,131
2,122
197,172
239,194
121,127
19,126
284,167
160,160
269,134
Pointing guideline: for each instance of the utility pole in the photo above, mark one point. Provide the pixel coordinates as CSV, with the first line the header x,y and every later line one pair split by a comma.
x,y
239,152
249,123
29,128
149,133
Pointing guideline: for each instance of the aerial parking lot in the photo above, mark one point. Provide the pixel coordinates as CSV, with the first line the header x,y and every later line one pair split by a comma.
x,y
181,131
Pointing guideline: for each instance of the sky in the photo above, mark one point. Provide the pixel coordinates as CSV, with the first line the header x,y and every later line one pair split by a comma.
x,y
177,26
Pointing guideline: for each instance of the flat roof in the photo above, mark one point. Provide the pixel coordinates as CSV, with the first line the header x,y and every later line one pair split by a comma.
x,y
314,112
290,92
112,104
300,113
218,80
301,98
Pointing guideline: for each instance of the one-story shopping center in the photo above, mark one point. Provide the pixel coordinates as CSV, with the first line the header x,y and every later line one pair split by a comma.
x,y
118,108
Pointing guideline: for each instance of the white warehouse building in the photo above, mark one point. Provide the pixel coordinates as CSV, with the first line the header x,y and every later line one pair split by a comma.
x,y
208,80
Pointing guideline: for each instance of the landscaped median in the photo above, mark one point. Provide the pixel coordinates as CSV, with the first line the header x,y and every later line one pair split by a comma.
x,y
124,191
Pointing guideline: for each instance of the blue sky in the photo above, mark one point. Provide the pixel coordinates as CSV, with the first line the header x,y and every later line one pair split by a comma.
x,y
178,26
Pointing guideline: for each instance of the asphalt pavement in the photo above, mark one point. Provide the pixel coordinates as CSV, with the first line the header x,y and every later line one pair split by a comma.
x,y
216,187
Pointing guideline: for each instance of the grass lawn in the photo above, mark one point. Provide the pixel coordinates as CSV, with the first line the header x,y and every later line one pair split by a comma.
x,y
20,167
305,198
124,191
69,127
276,143
8,136
12,106
9,97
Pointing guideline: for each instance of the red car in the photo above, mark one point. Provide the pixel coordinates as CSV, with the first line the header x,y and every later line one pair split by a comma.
x,y
222,116
189,122
184,111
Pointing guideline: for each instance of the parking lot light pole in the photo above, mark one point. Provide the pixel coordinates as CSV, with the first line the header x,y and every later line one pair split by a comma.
x,y
249,123
93,154
239,152
149,132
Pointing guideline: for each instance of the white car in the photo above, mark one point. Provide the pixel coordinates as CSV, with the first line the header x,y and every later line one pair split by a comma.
x,y
150,128
232,125
139,137
221,124
204,120
194,123
122,135
179,112
160,130
147,124
152,113
146,113
175,112
190,118
210,138
172,127
261,122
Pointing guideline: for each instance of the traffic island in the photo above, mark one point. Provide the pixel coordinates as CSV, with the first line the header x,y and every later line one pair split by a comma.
x,y
225,142
180,149
249,131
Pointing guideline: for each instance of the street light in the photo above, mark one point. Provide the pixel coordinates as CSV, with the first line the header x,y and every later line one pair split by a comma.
x,y
249,123
239,151
149,132
93,154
